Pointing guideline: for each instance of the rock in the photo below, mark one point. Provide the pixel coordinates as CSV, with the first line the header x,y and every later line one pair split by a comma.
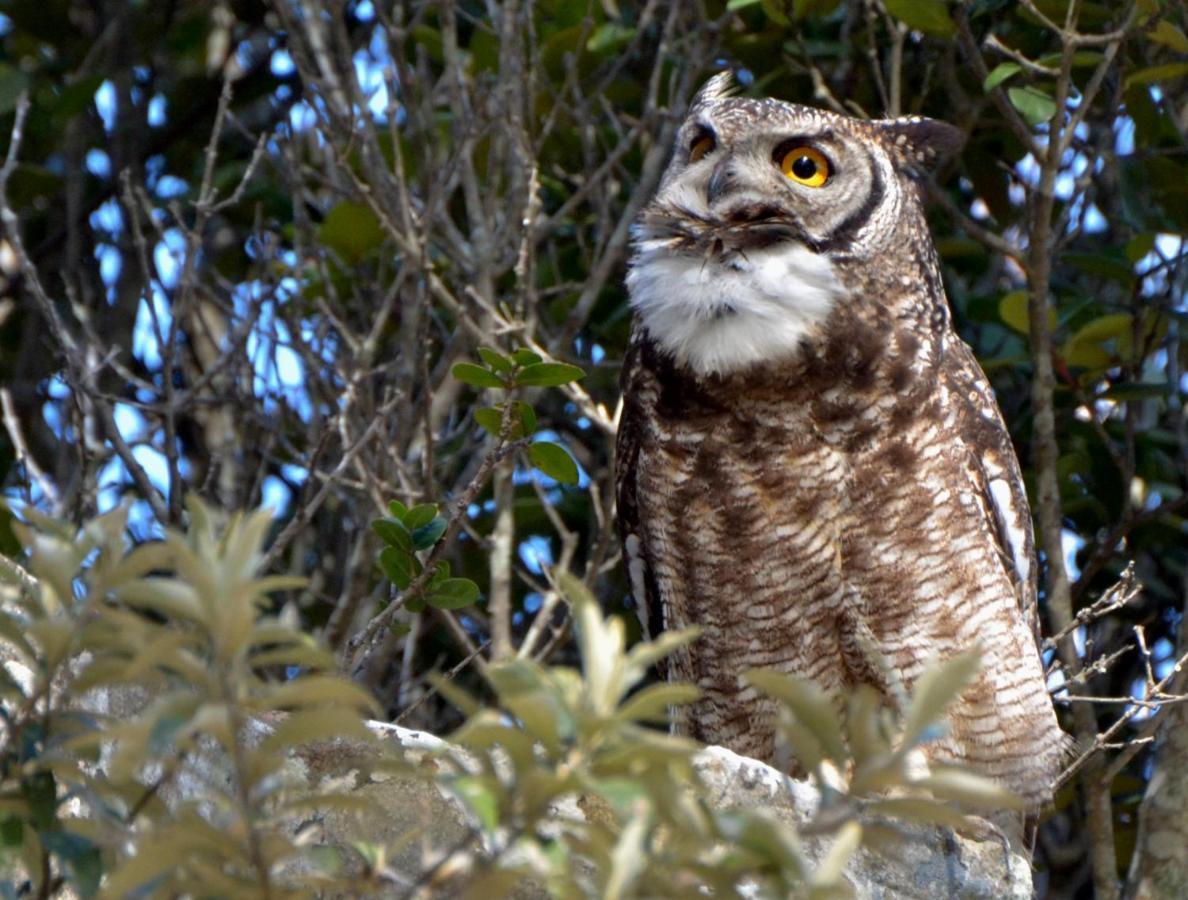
x,y
928,863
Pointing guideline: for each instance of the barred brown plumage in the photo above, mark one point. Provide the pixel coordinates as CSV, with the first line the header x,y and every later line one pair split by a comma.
x,y
810,461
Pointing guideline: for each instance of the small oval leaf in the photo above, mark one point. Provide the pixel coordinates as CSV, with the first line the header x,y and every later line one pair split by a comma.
x,y
476,376
400,567
495,360
548,375
429,534
552,459
454,593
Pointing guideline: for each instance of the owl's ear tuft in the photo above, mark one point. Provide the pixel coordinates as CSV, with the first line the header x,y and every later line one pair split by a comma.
x,y
921,143
717,88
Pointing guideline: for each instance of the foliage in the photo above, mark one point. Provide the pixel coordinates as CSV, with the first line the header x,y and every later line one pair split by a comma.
x,y
153,711
250,251
135,681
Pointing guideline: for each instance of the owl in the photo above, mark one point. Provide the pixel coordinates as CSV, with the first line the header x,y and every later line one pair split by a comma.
x,y
810,462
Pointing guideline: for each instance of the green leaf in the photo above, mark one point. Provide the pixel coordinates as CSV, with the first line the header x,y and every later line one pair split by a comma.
x,y
548,375
400,566
393,532
476,376
607,36
1139,246
525,358
552,459
419,516
81,856
929,16
651,704
936,689
1168,34
397,509
10,546
917,809
1000,73
12,83
774,10
1153,74
829,870
966,787
427,535
1013,309
351,230
453,593
495,360
1033,104
490,419
480,796
808,703
527,417
733,5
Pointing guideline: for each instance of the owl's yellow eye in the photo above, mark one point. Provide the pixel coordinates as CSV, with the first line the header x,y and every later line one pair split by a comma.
x,y
701,147
806,166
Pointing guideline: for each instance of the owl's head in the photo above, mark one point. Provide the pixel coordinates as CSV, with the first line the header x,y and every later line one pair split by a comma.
x,y
737,258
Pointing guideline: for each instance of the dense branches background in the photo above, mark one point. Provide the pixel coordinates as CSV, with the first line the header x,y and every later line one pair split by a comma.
x,y
244,247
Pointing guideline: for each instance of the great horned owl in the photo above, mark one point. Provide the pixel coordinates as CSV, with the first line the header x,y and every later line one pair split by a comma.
x,y
810,461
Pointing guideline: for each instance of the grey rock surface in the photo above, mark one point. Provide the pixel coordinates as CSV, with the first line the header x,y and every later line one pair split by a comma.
x,y
928,863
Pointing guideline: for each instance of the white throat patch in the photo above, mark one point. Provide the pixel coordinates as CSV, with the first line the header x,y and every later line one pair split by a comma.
x,y
719,319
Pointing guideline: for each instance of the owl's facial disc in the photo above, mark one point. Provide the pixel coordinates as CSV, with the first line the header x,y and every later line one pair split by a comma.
x,y
725,277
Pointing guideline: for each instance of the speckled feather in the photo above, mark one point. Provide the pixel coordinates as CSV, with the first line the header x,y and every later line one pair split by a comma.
x,y
845,476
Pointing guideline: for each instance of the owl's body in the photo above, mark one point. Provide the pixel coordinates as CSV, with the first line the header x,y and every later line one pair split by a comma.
x,y
810,461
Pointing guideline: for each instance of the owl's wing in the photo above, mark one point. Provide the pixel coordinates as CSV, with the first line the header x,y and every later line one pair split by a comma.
x,y
993,469
635,386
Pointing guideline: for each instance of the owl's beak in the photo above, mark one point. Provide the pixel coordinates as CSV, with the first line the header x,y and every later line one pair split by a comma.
x,y
722,180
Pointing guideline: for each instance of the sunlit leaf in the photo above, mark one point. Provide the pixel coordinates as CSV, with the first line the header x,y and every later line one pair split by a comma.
x,y
548,375
808,702
936,688
829,870
1033,104
652,703
999,74
946,783
322,723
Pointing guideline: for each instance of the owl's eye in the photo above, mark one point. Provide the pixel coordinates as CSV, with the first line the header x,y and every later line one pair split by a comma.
x,y
806,166
700,147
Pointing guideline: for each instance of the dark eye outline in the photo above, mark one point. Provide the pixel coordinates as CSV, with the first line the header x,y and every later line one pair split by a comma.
x,y
702,145
788,155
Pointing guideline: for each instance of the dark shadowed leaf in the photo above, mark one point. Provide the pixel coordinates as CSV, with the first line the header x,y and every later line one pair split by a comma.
x,y
427,535
453,593
400,566
928,16
351,230
393,532
552,459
